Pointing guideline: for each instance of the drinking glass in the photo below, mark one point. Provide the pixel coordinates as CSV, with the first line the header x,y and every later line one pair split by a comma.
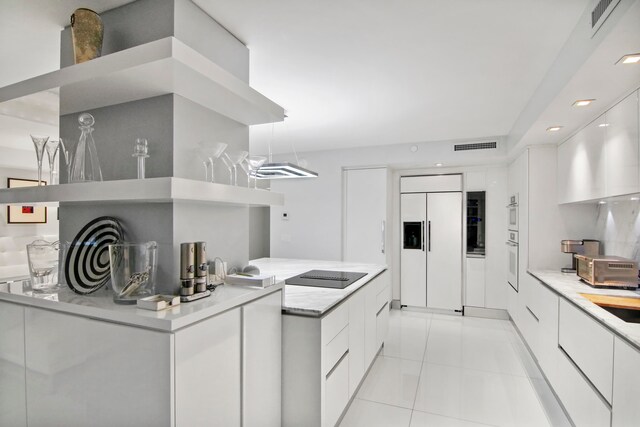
x,y
233,159
210,152
52,147
251,165
133,271
66,153
39,141
43,259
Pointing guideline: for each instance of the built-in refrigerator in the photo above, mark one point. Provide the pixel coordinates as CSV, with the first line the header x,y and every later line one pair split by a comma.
x,y
431,251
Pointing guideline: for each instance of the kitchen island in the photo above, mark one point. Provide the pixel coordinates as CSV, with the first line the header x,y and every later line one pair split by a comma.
x,y
330,337
68,359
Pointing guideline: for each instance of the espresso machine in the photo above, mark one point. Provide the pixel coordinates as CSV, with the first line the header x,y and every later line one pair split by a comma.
x,y
581,247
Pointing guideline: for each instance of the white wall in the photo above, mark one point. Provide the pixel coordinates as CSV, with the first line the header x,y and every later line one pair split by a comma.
x,y
313,229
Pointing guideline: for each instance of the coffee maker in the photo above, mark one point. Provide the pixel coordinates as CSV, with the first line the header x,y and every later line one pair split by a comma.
x,y
581,247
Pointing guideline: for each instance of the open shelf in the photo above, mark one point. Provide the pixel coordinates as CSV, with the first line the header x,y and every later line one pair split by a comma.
x,y
152,190
157,68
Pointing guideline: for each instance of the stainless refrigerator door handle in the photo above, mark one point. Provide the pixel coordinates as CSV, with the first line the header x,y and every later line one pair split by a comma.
x,y
422,236
383,228
429,241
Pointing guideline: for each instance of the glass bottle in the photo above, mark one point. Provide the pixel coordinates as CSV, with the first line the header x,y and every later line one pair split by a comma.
x,y
141,151
85,166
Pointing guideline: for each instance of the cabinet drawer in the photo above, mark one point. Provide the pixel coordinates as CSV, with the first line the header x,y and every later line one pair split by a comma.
x,y
382,298
335,350
626,387
589,345
582,402
334,322
382,325
336,392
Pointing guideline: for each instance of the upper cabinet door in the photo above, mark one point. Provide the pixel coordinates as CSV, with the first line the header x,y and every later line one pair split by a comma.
x,y
581,165
621,146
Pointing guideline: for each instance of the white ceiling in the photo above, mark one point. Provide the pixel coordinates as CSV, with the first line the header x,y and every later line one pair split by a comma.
x,y
358,72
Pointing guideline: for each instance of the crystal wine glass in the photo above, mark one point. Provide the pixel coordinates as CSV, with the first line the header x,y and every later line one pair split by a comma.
x,y
65,152
233,159
39,141
212,152
251,165
52,147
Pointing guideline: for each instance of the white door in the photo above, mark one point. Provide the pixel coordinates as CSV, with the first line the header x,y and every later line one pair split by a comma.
x,y
365,215
444,251
413,259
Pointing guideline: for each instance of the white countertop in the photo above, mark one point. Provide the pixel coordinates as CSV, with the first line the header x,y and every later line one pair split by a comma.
x,y
100,305
569,286
308,300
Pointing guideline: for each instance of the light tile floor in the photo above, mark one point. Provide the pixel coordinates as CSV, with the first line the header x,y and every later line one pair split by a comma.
x,y
453,371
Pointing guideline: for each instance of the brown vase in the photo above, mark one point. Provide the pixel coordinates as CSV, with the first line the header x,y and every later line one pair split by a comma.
x,y
86,33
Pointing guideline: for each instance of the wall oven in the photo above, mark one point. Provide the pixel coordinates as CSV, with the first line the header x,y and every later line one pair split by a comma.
x,y
512,249
513,212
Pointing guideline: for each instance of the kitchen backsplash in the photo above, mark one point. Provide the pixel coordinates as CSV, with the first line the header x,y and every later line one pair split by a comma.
x,y
618,225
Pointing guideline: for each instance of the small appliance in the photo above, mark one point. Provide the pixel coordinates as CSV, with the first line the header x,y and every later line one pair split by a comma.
x,y
608,271
579,247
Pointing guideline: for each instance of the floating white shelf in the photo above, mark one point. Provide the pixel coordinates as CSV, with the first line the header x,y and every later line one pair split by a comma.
x,y
152,190
160,67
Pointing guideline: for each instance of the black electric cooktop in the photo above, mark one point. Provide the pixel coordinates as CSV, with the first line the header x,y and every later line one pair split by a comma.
x,y
325,279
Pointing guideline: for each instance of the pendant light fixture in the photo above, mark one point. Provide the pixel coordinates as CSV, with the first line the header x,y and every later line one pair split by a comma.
x,y
283,170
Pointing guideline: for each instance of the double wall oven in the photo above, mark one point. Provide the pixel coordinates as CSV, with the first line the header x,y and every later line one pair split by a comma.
x,y
512,242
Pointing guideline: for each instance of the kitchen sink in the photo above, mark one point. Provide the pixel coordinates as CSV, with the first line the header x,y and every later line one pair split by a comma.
x,y
627,314
624,308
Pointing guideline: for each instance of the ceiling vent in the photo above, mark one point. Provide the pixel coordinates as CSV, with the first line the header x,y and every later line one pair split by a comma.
x,y
475,146
600,13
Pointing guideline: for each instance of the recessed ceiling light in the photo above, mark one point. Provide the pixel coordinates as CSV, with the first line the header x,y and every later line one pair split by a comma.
x,y
414,148
602,202
438,164
633,58
603,125
554,128
583,102
634,198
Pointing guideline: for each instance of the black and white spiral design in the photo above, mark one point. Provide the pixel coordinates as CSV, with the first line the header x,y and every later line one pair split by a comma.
x,y
87,262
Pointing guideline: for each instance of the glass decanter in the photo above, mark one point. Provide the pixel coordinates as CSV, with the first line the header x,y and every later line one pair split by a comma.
x,y
141,152
85,165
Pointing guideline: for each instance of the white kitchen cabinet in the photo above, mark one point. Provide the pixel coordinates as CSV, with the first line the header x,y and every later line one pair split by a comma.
x,y
262,362
207,360
366,206
589,345
336,392
621,147
357,364
13,406
88,372
582,165
547,311
626,387
580,399
475,282
325,358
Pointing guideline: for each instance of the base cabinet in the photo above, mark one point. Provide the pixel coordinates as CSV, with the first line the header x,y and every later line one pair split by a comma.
x,y
77,371
13,405
626,387
324,359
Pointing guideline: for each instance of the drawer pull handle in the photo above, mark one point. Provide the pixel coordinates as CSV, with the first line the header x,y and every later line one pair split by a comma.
x,y
337,363
381,308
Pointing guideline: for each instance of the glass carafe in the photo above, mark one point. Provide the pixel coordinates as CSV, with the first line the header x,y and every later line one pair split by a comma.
x,y
85,165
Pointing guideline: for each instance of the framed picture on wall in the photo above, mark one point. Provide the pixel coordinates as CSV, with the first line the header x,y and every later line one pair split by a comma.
x,y
25,214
